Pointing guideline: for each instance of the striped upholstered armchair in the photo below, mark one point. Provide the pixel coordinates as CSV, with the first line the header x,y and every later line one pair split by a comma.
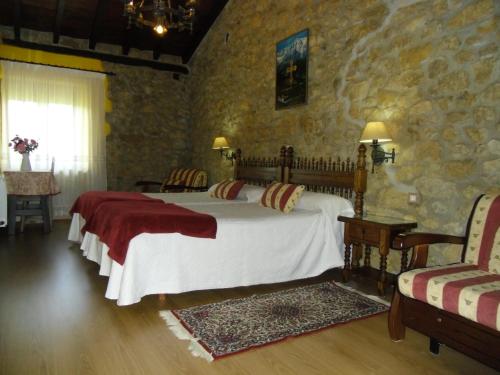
x,y
179,180
459,304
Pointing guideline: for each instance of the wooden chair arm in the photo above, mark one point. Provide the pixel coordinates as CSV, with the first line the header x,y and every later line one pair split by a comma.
x,y
146,183
146,186
407,240
199,188
420,243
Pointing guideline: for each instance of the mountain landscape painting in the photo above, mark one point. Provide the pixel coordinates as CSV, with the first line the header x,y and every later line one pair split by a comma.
x,y
291,70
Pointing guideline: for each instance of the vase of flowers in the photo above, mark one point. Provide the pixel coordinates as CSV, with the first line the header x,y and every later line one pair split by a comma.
x,y
24,147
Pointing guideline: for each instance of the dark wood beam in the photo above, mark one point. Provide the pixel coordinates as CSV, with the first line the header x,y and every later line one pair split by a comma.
x,y
100,12
57,24
117,59
126,39
157,46
17,19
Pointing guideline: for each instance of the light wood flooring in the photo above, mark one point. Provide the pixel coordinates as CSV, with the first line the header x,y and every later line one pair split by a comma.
x,y
54,319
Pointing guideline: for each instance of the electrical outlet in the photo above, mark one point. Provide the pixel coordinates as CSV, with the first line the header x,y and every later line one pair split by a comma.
x,y
413,198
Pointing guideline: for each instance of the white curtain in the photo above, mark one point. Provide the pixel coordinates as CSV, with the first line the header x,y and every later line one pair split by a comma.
x,y
63,110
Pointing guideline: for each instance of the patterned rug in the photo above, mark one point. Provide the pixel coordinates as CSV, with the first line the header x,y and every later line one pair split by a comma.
x,y
224,328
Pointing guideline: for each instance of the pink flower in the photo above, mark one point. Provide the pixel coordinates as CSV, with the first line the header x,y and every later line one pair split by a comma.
x,y
23,145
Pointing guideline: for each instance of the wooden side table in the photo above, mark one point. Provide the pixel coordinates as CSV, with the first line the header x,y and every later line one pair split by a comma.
x,y
376,231
28,194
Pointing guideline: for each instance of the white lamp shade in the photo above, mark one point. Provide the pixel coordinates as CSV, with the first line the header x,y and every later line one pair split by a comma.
x,y
220,142
375,131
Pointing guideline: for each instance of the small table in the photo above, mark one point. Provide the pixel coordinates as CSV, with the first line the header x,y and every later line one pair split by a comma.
x,y
23,187
377,231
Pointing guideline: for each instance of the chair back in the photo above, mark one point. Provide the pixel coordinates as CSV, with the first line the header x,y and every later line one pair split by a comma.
x,y
483,238
191,178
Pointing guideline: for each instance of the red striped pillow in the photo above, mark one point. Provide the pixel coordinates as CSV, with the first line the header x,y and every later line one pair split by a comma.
x,y
227,189
281,197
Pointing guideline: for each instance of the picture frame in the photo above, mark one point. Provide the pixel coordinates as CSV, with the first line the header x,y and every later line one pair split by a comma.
x,y
292,55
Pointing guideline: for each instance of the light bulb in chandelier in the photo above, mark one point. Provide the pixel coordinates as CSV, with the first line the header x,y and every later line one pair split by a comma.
x,y
160,27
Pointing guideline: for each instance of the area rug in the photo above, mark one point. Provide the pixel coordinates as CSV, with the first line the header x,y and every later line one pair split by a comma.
x,y
220,329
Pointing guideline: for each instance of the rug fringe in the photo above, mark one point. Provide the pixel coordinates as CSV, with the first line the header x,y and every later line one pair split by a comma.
x,y
370,296
183,334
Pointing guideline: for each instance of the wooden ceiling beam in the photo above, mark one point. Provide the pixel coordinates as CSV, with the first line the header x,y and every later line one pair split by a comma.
x,y
100,12
126,41
117,59
58,22
157,46
17,19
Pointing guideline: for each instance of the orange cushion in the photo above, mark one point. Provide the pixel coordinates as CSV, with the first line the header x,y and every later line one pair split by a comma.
x,y
281,197
227,189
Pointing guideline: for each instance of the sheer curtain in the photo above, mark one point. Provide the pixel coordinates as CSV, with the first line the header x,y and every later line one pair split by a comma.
x,y
63,110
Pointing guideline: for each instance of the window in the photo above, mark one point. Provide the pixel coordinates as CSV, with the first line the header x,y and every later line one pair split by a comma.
x,y
63,110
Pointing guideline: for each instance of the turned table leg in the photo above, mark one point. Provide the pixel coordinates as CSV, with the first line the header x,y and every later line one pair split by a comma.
x,y
383,275
367,260
346,272
384,250
404,260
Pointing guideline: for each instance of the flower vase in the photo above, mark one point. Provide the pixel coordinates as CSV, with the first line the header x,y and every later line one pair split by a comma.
x,y
25,164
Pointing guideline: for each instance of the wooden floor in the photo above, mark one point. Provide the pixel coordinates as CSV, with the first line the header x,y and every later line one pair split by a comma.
x,y
54,319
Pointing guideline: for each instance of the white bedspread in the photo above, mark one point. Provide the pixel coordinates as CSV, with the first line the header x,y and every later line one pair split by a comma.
x,y
254,245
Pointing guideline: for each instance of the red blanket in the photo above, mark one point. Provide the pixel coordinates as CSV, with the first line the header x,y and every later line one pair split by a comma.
x,y
116,223
87,203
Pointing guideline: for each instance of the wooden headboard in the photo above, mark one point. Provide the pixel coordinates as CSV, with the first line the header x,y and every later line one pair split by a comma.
x,y
325,175
331,176
258,170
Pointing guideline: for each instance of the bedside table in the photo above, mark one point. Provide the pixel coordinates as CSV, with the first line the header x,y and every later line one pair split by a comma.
x,y
376,231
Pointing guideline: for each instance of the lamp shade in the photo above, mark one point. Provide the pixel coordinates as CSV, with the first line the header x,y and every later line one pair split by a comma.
x,y
375,131
220,142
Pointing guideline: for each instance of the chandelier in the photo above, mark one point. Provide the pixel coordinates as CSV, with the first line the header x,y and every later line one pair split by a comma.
x,y
159,15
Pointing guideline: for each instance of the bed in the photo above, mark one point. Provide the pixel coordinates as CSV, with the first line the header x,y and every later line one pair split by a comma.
x,y
303,243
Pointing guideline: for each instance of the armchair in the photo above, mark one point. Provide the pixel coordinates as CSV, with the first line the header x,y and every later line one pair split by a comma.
x,y
459,304
179,180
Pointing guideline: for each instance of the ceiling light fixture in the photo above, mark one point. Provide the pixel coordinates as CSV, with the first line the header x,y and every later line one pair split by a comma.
x,y
159,15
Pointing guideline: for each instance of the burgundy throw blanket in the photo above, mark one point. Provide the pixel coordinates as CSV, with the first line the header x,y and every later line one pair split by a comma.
x,y
88,202
117,222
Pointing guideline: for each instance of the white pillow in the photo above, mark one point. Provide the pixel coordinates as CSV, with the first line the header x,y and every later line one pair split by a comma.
x,y
251,193
330,204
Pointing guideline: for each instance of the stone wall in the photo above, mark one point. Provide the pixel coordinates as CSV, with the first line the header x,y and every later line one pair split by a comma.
x,y
429,69
150,121
150,125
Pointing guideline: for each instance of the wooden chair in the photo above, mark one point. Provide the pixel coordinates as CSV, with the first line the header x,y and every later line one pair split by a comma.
x,y
179,180
457,305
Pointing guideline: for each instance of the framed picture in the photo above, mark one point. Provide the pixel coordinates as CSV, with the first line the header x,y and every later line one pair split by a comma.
x,y
291,70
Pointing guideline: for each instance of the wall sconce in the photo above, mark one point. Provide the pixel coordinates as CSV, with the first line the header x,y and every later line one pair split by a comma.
x,y
376,133
221,144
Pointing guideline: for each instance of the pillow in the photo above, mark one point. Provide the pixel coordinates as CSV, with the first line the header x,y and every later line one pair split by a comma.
x,y
251,193
322,201
281,197
227,189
